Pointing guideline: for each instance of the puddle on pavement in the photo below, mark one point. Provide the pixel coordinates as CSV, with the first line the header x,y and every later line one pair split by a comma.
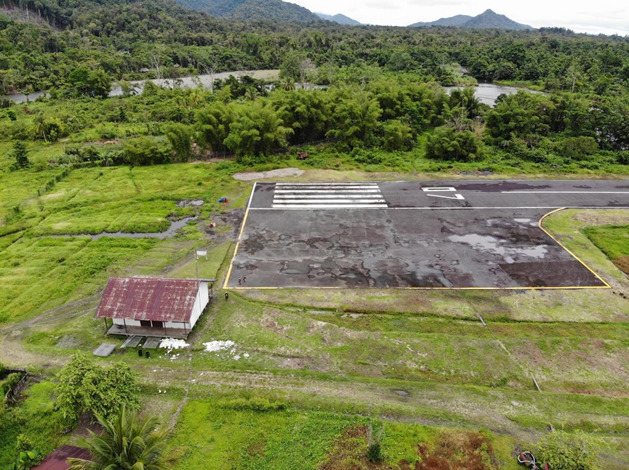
x,y
496,246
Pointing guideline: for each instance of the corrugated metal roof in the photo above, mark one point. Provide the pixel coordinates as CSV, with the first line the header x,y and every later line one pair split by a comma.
x,y
58,459
149,298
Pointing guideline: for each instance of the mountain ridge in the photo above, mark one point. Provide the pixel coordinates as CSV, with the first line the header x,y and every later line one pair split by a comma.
x,y
276,10
489,19
338,18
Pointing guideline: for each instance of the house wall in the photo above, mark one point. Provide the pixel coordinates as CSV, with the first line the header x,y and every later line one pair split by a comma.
x,y
200,303
128,322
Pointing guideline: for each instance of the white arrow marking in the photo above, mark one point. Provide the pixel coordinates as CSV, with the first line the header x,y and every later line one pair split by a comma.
x,y
456,196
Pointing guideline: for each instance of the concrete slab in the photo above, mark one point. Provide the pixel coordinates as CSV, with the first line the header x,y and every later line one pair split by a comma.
x,y
132,342
459,234
104,350
152,343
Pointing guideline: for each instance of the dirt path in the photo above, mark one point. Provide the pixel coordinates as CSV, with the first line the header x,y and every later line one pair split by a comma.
x,y
66,311
279,173
430,404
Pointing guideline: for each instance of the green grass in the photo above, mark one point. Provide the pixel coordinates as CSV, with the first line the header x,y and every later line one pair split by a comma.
x,y
91,200
219,436
309,348
247,439
36,418
39,273
613,240
583,231
399,347
208,266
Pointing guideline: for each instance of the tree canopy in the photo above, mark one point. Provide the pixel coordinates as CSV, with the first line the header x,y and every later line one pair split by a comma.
x,y
85,387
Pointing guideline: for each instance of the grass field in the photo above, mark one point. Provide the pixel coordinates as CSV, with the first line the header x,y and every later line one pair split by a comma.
x,y
39,272
239,437
613,240
419,363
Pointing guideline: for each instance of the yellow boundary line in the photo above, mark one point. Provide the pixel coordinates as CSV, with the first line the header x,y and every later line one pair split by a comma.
x,y
606,286
242,229
539,224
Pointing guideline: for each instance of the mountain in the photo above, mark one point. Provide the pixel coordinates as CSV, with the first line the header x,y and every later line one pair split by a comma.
x,y
252,9
457,20
486,20
339,18
491,20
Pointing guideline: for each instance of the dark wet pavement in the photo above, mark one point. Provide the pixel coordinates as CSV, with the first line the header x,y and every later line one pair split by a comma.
x,y
487,236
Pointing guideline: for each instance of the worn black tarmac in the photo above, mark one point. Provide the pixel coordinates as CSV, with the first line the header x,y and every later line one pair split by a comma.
x,y
459,234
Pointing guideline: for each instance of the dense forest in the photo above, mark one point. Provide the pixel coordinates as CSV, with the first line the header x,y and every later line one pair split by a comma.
x,y
124,38
381,88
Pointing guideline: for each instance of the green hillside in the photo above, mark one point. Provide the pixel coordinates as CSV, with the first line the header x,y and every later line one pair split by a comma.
x,y
275,10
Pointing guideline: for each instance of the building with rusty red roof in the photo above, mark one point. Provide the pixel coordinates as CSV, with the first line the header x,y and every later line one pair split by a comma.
x,y
153,306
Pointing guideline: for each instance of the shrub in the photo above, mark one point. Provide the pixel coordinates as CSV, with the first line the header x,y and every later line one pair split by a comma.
x,y
108,132
10,382
374,452
577,148
568,451
397,135
20,153
144,151
623,157
87,387
255,404
366,157
180,138
374,449
448,144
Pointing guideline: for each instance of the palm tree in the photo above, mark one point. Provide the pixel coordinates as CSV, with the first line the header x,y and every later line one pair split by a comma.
x,y
128,443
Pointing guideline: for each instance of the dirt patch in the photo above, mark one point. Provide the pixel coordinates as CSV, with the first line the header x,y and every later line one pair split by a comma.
x,y
454,451
350,452
622,263
69,342
602,218
294,363
279,173
87,423
227,225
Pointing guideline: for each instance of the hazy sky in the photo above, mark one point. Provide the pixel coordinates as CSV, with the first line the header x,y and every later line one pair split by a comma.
x,y
594,17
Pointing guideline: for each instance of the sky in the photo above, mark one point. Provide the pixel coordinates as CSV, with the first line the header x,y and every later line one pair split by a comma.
x,y
581,16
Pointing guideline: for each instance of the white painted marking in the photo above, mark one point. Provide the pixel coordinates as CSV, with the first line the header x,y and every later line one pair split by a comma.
x,y
331,206
565,192
436,208
456,196
358,183
323,196
439,188
253,190
325,191
328,201
332,188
